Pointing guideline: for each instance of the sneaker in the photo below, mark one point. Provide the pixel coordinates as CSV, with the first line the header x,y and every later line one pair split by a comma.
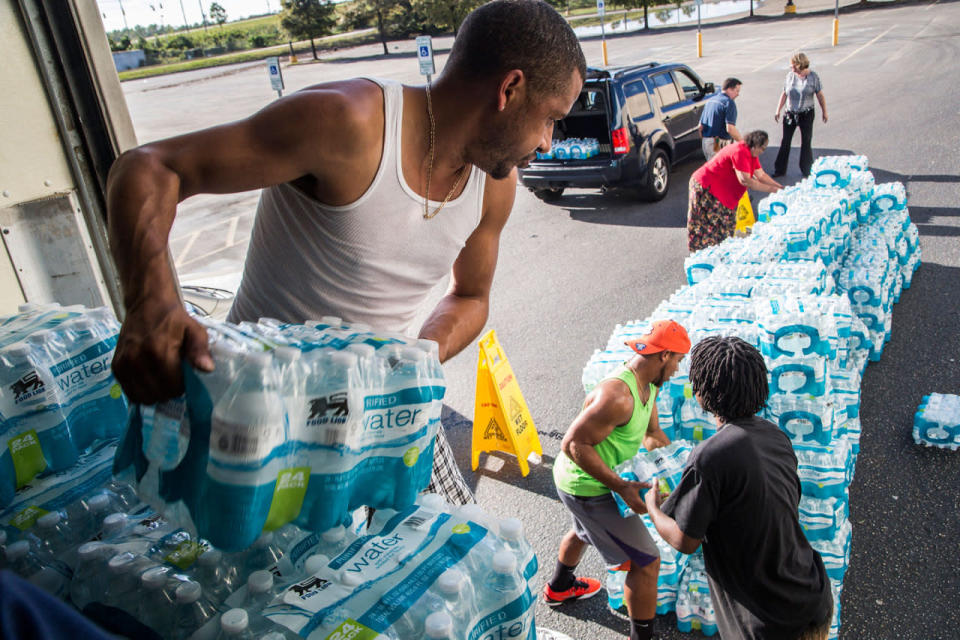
x,y
582,588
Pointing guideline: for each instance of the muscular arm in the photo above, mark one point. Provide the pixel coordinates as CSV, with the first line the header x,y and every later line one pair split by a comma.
x,y
460,315
608,406
302,135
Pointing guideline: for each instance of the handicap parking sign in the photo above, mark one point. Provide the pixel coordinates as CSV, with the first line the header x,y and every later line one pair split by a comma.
x,y
425,55
276,76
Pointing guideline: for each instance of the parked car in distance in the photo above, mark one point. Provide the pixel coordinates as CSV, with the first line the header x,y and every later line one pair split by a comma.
x,y
645,118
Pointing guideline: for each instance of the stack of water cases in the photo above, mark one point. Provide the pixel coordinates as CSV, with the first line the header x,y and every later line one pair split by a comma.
x,y
299,423
60,407
813,288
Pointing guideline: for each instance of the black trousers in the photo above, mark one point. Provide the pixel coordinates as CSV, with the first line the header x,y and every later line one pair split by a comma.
x,y
792,120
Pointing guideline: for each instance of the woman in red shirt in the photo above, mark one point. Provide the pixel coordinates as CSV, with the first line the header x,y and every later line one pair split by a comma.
x,y
717,186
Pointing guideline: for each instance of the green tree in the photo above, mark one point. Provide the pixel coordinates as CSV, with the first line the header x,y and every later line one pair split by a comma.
x,y
218,14
303,19
378,13
450,13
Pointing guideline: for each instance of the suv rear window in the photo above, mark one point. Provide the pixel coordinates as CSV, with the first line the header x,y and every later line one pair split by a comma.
x,y
665,88
591,100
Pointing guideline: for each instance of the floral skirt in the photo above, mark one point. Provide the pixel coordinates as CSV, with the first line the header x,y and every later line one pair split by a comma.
x,y
708,221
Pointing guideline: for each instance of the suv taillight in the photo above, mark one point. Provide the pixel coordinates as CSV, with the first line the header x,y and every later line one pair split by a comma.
x,y
621,143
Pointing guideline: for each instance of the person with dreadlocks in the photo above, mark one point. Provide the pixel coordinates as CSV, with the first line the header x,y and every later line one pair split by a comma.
x,y
618,416
738,497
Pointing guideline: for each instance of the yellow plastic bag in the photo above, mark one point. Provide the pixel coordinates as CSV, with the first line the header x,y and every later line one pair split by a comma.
x,y
745,217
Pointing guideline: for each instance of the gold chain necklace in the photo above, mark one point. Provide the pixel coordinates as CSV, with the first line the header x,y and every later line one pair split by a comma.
x,y
433,134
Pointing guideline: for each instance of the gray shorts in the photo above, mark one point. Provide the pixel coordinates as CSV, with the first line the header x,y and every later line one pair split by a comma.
x,y
597,522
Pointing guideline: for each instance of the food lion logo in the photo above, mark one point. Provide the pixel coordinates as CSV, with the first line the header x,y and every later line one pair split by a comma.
x,y
27,384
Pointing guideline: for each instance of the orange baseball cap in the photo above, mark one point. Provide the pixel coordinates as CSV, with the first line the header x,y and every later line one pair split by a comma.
x,y
666,335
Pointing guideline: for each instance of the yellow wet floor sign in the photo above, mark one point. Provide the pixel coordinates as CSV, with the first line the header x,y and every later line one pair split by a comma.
x,y
745,217
501,419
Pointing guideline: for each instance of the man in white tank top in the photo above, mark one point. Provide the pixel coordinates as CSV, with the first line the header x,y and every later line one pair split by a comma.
x,y
372,193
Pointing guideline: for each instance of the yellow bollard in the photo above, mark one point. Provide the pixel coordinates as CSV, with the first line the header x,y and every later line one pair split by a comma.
x,y
699,44
836,31
604,45
790,7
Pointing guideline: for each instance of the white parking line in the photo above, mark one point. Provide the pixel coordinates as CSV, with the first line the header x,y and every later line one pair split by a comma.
x,y
903,49
782,57
186,248
858,50
232,231
212,253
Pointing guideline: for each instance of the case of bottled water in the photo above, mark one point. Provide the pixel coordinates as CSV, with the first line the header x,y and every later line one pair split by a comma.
x,y
937,421
694,607
664,463
58,397
297,423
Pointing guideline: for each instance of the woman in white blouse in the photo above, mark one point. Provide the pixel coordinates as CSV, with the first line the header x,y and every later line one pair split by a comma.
x,y
799,88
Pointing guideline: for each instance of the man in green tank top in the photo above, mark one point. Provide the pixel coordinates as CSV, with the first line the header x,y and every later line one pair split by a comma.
x,y
618,417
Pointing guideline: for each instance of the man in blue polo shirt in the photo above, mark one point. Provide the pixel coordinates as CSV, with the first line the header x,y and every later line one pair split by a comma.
x,y
718,122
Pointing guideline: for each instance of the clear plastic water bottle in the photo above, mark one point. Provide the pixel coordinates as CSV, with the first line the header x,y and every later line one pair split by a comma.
x,y
439,626
458,602
191,611
315,563
247,424
511,531
616,577
124,494
89,577
113,527
333,541
123,581
55,537
28,565
86,515
216,575
433,502
503,584
155,601
235,625
22,560
259,591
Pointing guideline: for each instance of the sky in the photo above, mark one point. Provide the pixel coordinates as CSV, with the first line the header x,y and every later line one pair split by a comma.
x,y
169,12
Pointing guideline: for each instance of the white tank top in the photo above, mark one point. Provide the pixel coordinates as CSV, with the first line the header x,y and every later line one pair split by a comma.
x,y
372,261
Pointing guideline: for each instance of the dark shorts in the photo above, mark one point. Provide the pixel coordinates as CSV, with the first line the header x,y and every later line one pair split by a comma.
x,y
708,221
597,522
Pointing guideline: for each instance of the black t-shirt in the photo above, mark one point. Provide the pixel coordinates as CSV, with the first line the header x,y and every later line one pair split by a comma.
x,y
739,494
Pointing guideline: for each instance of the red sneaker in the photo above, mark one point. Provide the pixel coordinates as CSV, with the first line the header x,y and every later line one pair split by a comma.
x,y
582,588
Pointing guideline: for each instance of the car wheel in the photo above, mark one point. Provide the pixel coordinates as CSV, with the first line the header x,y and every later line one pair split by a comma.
x,y
549,195
657,180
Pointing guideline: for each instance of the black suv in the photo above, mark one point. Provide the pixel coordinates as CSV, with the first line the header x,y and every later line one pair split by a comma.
x,y
645,117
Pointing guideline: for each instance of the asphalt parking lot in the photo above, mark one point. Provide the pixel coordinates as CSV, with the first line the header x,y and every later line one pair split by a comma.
x,y
568,272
